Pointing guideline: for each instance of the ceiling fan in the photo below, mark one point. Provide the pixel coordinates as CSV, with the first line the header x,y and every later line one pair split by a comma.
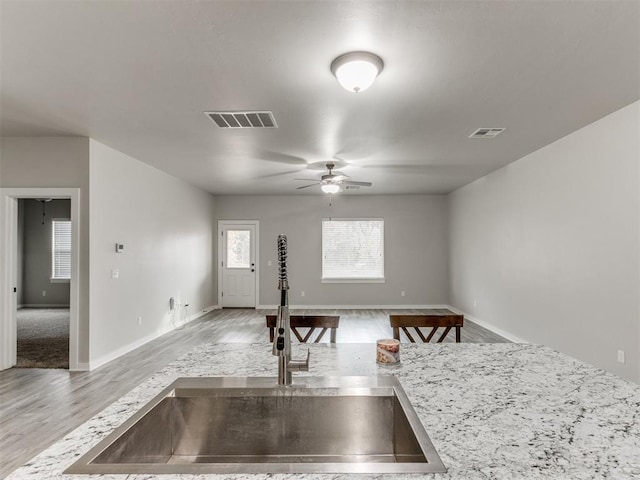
x,y
332,182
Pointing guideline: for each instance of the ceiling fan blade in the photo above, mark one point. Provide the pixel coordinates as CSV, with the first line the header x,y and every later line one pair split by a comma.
x,y
279,157
338,176
446,170
360,184
305,186
280,174
307,179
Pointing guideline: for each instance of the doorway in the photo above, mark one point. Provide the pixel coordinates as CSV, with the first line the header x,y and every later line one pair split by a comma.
x,y
43,281
238,285
9,235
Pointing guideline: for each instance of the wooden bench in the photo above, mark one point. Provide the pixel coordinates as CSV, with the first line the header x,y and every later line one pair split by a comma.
x,y
434,322
312,322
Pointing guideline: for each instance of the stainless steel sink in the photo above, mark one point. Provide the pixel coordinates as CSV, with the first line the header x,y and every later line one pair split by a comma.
x,y
250,425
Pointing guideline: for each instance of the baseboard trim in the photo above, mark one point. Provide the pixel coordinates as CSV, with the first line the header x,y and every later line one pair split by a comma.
x,y
82,367
104,359
484,324
203,312
353,307
42,305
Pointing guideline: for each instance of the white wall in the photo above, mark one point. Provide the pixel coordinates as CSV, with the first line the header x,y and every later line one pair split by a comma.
x,y
167,228
416,250
548,248
60,162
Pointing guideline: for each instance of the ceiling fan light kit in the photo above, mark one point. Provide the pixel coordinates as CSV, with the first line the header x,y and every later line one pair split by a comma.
x,y
330,188
332,182
356,71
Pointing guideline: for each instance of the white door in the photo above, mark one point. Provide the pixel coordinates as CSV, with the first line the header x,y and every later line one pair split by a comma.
x,y
9,268
238,263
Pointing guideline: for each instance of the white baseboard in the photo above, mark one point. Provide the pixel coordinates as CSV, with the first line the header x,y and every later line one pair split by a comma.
x,y
42,305
353,307
498,331
82,367
104,359
207,310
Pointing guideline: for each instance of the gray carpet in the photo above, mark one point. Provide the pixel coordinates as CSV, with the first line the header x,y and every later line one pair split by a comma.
x,y
43,338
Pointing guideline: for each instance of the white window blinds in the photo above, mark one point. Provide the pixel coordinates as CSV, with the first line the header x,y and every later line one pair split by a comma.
x,y
353,249
61,249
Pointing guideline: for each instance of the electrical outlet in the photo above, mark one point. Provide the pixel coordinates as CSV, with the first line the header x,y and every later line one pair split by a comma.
x,y
620,356
115,273
475,303
402,294
302,294
44,293
139,320
269,263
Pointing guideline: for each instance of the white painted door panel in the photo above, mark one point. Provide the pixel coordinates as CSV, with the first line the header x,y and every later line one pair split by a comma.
x,y
238,266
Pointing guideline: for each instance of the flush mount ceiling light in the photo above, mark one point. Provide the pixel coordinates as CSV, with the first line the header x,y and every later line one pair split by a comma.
x,y
356,71
330,188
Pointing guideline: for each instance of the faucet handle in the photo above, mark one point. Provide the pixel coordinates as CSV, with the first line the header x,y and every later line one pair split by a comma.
x,y
308,358
300,365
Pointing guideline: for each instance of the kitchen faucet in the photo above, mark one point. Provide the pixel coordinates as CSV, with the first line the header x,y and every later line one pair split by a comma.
x,y
282,341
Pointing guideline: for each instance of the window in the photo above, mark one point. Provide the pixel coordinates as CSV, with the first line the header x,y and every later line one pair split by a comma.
x,y
238,248
61,250
353,250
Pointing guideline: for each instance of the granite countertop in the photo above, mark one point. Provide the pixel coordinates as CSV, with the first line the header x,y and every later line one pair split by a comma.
x,y
493,411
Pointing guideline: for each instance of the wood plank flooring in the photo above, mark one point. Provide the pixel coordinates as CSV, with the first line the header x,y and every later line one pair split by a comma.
x,y
40,406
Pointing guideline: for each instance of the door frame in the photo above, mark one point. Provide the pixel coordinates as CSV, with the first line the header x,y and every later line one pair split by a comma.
x,y
8,265
230,223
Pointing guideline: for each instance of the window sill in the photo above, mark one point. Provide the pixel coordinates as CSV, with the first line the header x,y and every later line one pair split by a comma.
x,y
60,280
353,280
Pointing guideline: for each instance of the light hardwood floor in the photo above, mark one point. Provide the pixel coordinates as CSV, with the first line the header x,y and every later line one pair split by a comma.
x,y
38,407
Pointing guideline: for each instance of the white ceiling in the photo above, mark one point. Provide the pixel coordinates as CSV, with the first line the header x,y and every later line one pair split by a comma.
x,y
138,75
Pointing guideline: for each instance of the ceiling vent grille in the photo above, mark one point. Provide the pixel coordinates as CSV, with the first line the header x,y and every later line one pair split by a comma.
x,y
486,132
243,119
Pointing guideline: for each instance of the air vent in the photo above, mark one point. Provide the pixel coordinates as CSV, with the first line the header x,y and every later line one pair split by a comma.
x,y
243,119
486,132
